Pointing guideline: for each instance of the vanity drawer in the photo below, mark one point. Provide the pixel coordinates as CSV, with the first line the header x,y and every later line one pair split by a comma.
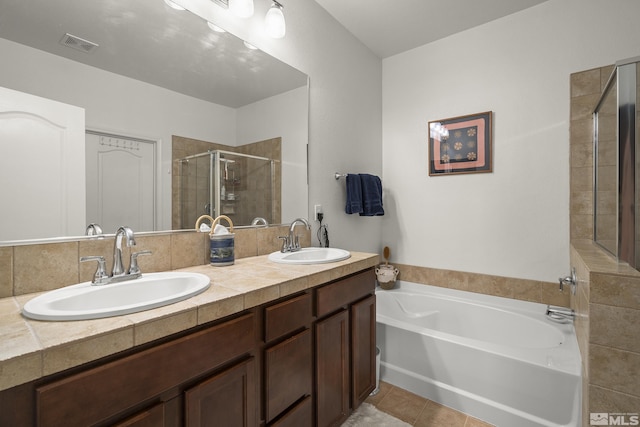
x,y
287,316
96,394
300,415
339,294
288,373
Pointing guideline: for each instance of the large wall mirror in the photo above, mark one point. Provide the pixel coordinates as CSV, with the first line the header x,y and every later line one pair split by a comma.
x,y
144,73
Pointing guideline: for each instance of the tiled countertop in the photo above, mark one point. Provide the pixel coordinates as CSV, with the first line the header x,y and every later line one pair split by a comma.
x,y
31,349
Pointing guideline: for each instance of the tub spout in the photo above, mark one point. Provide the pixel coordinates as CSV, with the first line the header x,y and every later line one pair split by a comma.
x,y
560,314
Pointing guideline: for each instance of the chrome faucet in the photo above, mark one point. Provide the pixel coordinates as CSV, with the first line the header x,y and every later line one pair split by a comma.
x,y
291,243
571,280
118,270
118,274
560,314
93,229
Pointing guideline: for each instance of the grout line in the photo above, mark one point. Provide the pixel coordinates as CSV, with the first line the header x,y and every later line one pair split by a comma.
x,y
424,406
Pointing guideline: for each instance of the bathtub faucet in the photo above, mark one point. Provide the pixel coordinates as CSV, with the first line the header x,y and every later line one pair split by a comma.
x,y
560,314
569,280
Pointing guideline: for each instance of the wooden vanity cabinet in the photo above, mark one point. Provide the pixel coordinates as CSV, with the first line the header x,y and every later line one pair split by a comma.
x,y
211,365
345,346
304,360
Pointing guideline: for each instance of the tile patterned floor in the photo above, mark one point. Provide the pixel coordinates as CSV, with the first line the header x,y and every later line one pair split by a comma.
x,y
418,411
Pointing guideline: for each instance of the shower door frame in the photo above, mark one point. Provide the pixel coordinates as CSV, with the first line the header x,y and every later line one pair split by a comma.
x,y
624,76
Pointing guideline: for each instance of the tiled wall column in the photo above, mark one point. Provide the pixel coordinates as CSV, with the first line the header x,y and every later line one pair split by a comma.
x,y
607,302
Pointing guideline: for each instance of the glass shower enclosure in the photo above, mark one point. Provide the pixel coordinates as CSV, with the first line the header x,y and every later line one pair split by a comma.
x,y
617,164
217,182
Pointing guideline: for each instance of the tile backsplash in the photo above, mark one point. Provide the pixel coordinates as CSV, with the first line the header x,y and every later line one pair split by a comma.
x,y
41,267
521,289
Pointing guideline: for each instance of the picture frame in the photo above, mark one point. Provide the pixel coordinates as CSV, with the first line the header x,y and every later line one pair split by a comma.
x,y
461,145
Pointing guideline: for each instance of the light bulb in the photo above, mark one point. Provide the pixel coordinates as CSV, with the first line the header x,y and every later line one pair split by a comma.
x,y
250,46
274,21
241,8
215,28
173,5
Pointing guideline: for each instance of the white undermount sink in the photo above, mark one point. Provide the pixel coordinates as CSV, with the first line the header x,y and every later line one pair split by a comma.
x,y
310,256
85,301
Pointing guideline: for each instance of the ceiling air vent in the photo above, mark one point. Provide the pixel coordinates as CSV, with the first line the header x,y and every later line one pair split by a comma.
x,y
222,3
78,43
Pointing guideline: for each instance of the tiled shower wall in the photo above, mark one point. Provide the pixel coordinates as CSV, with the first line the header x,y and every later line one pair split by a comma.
x,y
607,302
253,192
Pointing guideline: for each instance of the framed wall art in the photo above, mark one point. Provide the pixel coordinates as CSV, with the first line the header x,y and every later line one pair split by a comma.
x,y
461,145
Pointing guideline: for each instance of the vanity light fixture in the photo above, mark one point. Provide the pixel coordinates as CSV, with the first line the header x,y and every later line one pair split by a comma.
x,y
173,5
241,8
274,21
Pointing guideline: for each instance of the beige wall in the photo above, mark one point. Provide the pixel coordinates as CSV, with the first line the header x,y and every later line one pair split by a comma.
x,y
607,302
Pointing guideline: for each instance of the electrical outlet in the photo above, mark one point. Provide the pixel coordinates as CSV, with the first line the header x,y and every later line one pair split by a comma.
x,y
316,210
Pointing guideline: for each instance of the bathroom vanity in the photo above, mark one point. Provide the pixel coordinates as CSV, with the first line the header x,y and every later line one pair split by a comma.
x,y
304,359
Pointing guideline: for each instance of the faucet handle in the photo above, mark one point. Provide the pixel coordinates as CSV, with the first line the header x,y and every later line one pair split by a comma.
x,y
570,280
133,262
285,243
100,276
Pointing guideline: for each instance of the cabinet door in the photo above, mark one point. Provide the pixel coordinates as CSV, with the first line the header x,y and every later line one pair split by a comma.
x,y
363,349
332,369
226,399
288,373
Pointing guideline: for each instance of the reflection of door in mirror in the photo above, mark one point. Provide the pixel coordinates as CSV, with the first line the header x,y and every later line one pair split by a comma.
x,y
42,148
120,181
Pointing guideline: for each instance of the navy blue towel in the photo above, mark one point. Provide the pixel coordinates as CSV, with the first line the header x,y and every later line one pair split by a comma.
x,y
371,195
354,194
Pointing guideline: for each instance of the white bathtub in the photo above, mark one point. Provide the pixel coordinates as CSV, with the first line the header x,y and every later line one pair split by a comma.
x,y
497,359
